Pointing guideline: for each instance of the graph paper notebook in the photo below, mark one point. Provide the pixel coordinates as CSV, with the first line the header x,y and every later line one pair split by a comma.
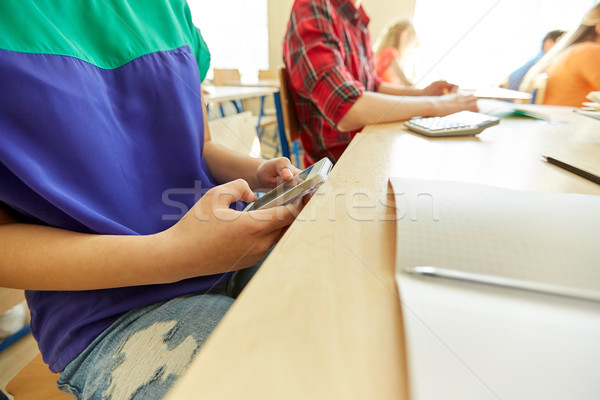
x,y
547,241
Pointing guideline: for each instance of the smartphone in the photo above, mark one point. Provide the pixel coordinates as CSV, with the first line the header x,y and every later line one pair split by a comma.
x,y
299,186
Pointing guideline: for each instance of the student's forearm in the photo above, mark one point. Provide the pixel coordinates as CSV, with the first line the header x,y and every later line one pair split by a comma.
x,y
210,239
226,165
372,108
45,258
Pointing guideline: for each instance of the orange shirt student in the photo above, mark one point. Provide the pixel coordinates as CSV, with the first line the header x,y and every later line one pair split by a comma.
x,y
573,75
573,64
392,49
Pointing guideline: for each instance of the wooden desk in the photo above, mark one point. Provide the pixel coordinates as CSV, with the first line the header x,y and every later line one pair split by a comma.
x,y
220,94
498,93
321,319
254,82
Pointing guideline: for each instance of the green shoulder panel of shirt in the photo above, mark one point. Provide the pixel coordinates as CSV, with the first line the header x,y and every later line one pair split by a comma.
x,y
105,33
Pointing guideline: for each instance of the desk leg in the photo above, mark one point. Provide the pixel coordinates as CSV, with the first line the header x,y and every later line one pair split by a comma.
x,y
297,154
238,105
261,114
285,148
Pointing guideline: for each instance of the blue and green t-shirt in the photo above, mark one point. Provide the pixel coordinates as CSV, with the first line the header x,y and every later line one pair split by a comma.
x,y
101,131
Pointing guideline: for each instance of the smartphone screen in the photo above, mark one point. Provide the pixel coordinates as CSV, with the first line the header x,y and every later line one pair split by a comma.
x,y
281,189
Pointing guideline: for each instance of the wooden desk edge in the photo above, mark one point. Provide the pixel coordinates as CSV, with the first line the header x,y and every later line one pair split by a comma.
x,y
342,341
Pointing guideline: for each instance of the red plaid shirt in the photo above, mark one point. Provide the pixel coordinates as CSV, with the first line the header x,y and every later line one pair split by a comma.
x,y
327,52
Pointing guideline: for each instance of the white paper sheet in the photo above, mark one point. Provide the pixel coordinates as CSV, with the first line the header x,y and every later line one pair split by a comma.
x,y
472,341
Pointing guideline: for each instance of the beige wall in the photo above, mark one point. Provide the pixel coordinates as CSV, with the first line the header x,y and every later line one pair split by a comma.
x,y
382,13
279,13
385,12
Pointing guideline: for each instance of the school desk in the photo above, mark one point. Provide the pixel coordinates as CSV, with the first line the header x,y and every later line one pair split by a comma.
x,y
323,318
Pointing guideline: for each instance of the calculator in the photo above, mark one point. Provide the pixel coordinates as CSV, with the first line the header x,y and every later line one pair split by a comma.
x,y
463,123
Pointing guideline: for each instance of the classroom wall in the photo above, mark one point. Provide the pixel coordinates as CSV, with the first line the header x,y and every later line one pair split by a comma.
x,y
381,13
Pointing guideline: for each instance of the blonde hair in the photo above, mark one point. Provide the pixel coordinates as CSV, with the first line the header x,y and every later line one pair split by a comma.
x,y
585,32
391,36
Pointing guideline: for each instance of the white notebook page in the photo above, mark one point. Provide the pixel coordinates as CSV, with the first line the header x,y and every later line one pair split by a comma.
x,y
551,238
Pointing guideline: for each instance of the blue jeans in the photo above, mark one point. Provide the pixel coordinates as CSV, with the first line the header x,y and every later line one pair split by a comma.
x,y
144,352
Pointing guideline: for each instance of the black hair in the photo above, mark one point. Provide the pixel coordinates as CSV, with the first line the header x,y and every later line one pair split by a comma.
x,y
553,35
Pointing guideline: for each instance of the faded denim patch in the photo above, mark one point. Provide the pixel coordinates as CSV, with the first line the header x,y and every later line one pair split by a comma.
x,y
147,356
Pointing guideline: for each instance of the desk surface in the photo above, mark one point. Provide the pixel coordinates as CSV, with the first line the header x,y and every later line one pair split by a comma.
x,y
255,82
228,93
322,319
497,93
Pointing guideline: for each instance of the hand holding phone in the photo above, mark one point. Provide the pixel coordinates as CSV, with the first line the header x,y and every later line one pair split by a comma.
x,y
299,186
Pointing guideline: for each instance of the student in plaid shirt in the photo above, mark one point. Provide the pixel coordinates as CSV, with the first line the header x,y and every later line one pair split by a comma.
x,y
330,64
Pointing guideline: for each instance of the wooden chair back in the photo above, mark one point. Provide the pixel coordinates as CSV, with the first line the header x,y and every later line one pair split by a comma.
x,y
536,86
225,76
539,88
268,74
290,117
236,132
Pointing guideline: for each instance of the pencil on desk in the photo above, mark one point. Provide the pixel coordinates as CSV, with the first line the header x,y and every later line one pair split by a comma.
x,y
496,280
575,170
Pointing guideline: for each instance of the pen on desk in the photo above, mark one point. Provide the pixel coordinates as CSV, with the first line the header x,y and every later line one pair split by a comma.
x,y
575,170
504,282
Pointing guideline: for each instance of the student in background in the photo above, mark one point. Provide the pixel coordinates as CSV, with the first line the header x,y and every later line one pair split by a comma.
x,y
516,77
329,59
573,65
392,50
117,212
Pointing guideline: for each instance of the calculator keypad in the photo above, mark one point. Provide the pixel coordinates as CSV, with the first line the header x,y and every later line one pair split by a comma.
x,y
463,123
